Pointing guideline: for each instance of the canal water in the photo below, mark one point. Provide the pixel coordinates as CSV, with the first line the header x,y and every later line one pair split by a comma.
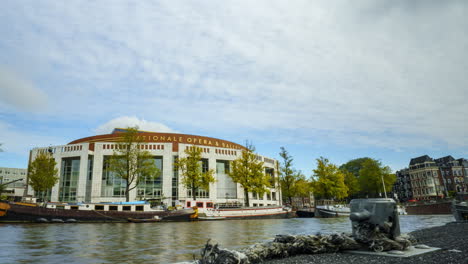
x,y
160,242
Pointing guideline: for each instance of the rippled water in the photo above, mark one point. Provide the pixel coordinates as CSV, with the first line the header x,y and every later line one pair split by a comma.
x,y
160,242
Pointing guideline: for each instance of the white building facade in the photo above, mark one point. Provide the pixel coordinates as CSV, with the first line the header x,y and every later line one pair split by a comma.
x,y
84,178
17,177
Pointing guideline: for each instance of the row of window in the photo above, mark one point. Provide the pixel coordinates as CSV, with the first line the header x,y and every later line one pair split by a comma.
x,y
143,146
12,172
226,152
424,191
72,148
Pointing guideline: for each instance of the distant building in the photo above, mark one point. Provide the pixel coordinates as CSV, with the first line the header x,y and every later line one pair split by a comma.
x,y
84,177
424,177
427,179
16,189
402,187
452,174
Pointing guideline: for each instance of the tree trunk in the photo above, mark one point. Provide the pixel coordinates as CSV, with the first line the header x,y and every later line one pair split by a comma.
x,y
194,194
246,194
127,193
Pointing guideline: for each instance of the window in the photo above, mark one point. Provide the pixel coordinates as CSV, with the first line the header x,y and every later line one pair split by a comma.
x,y
200,204
139,208
152,187
226,187
113,208
99,207
189,204
126,208
111,185
69,174
209,205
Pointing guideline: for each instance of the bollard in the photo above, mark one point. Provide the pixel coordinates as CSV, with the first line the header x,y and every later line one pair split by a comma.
x,y
379,212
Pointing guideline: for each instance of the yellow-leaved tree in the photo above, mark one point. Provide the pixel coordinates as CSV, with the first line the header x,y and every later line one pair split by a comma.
x,y
131,162
194,177
42,174
328,181
248,171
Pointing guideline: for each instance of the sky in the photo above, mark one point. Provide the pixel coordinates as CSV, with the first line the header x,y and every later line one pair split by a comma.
x,y
339,79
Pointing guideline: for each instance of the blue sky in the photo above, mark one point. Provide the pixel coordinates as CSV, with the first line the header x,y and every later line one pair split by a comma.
x,y
339,79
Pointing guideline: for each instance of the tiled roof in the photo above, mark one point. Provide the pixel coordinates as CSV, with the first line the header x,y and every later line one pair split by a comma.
x,y
419,160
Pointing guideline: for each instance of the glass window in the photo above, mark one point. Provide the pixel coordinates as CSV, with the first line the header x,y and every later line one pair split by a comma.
x,y
151,187
111,184
226,187
69,175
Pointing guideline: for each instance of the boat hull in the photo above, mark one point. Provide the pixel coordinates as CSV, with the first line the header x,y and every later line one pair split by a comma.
x,y
249,213
429,209
305,213
25,213
324,213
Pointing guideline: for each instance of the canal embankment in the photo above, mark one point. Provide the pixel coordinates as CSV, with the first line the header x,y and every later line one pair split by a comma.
x,y
452,238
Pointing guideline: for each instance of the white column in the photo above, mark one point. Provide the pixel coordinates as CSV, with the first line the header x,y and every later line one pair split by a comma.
x,y
167,173
213,186
54,195
98,160
83,176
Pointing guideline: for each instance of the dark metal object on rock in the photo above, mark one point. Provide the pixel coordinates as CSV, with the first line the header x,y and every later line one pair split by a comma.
x,y
376,223
460,211
379,212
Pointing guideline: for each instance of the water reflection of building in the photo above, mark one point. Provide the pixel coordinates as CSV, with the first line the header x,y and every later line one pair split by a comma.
x,y
17,177
83,175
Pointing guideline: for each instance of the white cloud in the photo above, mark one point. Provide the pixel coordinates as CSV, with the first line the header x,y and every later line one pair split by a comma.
x,y
132,121
19,93
388,74
18,141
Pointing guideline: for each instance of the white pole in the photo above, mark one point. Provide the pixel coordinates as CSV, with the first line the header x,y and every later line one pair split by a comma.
x,y
383,183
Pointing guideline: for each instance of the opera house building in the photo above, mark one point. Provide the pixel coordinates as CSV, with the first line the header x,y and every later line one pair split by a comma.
x,y
82,165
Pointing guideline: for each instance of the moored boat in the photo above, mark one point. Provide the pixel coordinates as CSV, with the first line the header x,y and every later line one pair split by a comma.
x,y
429,208
336,210
401,210
261,212
82,212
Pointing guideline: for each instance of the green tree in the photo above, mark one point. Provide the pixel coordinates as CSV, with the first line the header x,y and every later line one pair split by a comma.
x,y
130,162
371,175
193,176
43,174
248,171
303,187
328,180
288,176
351,182
354,166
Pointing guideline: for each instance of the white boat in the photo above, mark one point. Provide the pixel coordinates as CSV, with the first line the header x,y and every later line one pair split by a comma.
x,y
336,210
401,210
260,212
